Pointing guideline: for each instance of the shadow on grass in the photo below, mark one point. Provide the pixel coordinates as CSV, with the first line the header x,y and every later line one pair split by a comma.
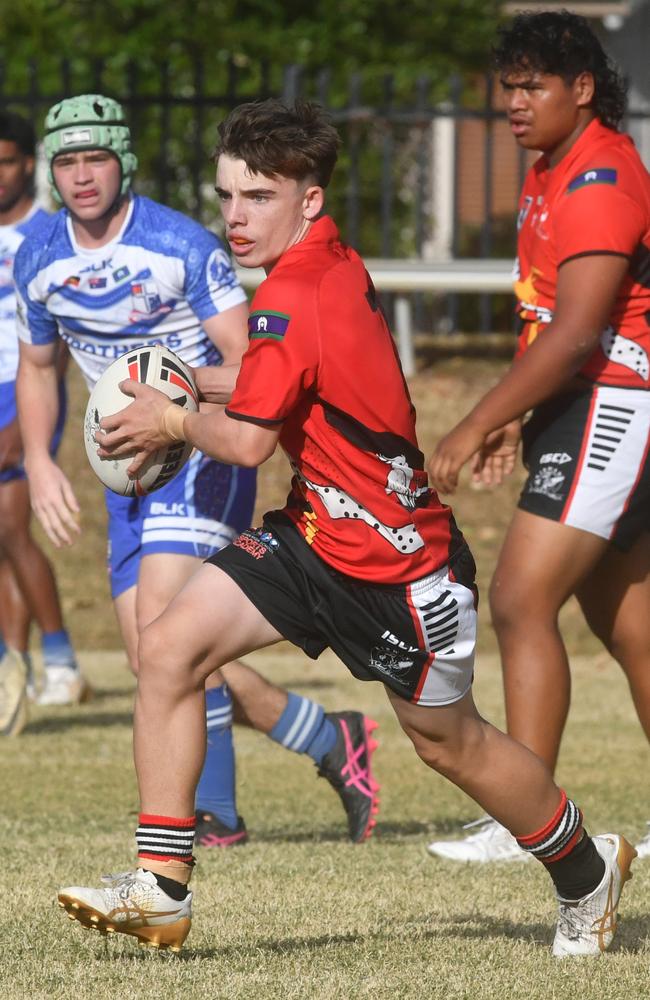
x,y
84,720
281,836
444,826
632,936
631,940
386,832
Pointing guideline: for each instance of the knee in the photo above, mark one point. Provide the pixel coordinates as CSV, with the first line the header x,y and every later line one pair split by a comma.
x,y
505,606
157,660
451,754
516,606
630,647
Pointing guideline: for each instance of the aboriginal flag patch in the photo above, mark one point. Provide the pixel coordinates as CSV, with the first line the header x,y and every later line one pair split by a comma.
x,y
267,325
603,175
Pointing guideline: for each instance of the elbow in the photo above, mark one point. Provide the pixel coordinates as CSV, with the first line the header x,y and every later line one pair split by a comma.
x,y
581,351
253,454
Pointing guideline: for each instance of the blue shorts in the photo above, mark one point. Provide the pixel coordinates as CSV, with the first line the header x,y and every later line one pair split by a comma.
x,y
198,513
9,412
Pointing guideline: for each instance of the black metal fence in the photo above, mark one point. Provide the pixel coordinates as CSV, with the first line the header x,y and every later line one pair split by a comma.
x,y
430,173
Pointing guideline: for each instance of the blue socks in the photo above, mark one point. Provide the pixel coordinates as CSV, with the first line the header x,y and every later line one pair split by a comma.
x,y
304,728
57,650
216,789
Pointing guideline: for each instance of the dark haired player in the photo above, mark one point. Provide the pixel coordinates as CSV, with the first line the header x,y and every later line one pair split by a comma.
x,y
112,271
27,584
583,368
363,558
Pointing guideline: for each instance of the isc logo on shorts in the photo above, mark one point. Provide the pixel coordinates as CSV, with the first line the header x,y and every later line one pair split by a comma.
x,y
557,457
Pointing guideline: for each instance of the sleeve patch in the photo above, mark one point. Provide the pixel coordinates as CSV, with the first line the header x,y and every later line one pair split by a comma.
x,y
603,175
267,325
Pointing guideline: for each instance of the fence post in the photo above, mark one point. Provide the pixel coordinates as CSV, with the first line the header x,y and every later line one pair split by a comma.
x,y
353,185
404,331
486,228
443,183
291,83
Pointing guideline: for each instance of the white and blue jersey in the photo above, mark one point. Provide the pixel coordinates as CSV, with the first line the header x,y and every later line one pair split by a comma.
x,y
11,237
154,283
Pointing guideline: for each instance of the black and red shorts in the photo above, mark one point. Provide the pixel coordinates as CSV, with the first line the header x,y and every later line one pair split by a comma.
x,y
416,638
588,461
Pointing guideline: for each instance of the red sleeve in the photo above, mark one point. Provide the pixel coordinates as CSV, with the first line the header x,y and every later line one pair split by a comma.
x,y
281,362
597,217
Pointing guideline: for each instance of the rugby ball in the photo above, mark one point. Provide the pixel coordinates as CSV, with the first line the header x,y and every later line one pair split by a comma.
x,y
161,368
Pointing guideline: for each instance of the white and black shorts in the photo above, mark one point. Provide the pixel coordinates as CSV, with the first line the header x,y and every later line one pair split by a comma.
x,y
417,638
588,462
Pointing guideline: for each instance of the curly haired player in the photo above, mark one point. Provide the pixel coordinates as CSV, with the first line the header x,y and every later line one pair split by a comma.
x,y
583,368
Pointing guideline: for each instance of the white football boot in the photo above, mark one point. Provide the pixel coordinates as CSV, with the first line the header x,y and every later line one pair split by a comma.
x,y
63,686
643,847
587,926
492,842
13,693
131,903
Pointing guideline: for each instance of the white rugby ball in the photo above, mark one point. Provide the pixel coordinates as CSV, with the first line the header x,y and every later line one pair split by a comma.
x,y
161,368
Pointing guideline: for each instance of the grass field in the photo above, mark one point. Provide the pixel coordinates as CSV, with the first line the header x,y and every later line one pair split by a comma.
x,y
300,912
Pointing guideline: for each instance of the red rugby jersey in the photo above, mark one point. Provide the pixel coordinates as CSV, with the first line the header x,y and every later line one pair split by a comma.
x,y
596,200
322,362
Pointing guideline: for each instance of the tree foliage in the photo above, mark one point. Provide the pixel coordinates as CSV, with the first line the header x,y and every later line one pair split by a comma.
x,y
179,65
406,38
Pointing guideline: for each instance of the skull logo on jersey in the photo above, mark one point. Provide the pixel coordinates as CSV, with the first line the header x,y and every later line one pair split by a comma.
x,y
400,481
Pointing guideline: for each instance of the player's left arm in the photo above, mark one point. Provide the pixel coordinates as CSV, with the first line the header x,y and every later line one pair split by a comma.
x,y
228,331
587,288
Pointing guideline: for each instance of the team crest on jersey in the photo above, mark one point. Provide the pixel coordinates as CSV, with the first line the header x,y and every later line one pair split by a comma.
x,y
269,325
602,175
145,296
145,301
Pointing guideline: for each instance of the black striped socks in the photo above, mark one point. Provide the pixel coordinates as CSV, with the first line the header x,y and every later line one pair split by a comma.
x,y
567,852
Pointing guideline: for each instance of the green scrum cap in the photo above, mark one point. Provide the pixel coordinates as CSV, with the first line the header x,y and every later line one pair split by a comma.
x,y
89,121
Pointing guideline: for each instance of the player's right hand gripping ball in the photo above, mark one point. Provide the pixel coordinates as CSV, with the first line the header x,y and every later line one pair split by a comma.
x,y
161,368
